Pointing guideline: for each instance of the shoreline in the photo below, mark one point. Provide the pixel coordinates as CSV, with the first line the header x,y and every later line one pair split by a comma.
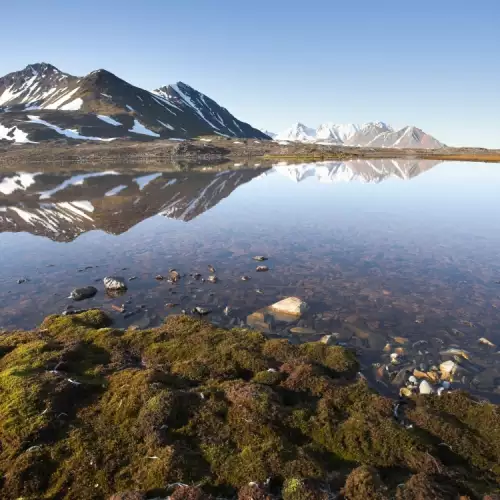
x,y
220,150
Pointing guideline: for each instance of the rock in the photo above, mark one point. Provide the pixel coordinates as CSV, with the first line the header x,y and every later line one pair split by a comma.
x,y
132,278
212,279
448,368
425,387
259,258
302,330
405,392
446,385
487,342
211,269
196,276
171,305
114,283
413,380
245,278
159,277
202,311
20,281
85,292
400,340
387,348
452,351
174,276
261,269
394,358
292,306
429,376
227,311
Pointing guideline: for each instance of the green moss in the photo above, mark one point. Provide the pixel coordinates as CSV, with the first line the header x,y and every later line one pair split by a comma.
x,y
86,411
268,377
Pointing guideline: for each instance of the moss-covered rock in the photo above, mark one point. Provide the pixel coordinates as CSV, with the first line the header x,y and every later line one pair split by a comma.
x,y
87,411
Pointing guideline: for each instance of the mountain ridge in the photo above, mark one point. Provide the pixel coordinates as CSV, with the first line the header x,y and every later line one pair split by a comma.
x,y
370,134
40,102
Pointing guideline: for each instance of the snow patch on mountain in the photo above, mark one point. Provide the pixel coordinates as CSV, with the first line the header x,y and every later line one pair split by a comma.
x,y
139,128
72,134
109,120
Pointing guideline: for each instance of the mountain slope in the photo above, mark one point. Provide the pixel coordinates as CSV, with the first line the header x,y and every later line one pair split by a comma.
x,y
40,103
373,134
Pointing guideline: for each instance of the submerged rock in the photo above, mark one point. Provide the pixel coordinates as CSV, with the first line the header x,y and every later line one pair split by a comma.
x,y
259,258
212,279
114,283
202,311
487,342
83,293
261,269
292,306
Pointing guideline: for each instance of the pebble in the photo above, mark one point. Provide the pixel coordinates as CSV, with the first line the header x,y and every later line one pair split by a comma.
x,y
245,278
261,269
20,281
487,342
159,277
212,279
132,278
114,283
302,330
425,387
259,258
202,311
412,379
82,293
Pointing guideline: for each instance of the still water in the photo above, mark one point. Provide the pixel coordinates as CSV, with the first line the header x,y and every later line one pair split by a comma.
x,y
378,249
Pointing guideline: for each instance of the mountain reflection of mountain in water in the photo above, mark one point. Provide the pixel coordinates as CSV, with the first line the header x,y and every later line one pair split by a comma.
x,y
63,206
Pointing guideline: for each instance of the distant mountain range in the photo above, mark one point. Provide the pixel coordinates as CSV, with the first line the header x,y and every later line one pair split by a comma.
x,y
375,135
61,206
42,103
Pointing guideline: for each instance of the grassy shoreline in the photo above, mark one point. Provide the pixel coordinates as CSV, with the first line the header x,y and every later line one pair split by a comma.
x,y
87,411
220,150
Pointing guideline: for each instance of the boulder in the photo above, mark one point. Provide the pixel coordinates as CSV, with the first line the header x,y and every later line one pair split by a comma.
x,y
292,306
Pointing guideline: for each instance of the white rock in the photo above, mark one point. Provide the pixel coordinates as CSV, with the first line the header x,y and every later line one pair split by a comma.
x,y
445,384
425,387
485,341
413,379
291,305
328,339
448,367
114,283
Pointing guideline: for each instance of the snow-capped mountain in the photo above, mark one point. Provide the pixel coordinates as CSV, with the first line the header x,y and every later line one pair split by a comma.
x,y
372,134
40,102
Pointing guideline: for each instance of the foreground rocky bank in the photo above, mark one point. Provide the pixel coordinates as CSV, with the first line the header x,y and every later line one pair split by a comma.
x,y
88,411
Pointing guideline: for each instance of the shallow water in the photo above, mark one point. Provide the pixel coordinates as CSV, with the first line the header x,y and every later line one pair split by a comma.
x,y
378,249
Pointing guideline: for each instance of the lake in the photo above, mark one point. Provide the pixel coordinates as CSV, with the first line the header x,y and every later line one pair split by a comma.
x,y
379,250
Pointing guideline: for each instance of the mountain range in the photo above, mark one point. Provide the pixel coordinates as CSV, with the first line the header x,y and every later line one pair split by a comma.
x,y
61,206
373,134
42,103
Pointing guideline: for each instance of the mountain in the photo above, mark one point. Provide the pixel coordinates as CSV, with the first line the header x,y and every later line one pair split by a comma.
x,y
373,134
42,103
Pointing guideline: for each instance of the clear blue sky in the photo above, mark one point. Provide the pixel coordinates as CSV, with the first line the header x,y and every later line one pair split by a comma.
x,y
431,63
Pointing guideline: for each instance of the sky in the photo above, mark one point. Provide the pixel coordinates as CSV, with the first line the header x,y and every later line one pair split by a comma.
x,y
272,63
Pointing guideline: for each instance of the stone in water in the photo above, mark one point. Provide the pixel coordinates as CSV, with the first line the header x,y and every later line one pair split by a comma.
x,y
292,306
114,283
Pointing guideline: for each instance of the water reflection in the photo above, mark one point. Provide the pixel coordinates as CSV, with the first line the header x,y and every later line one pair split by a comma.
x,y
379,249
